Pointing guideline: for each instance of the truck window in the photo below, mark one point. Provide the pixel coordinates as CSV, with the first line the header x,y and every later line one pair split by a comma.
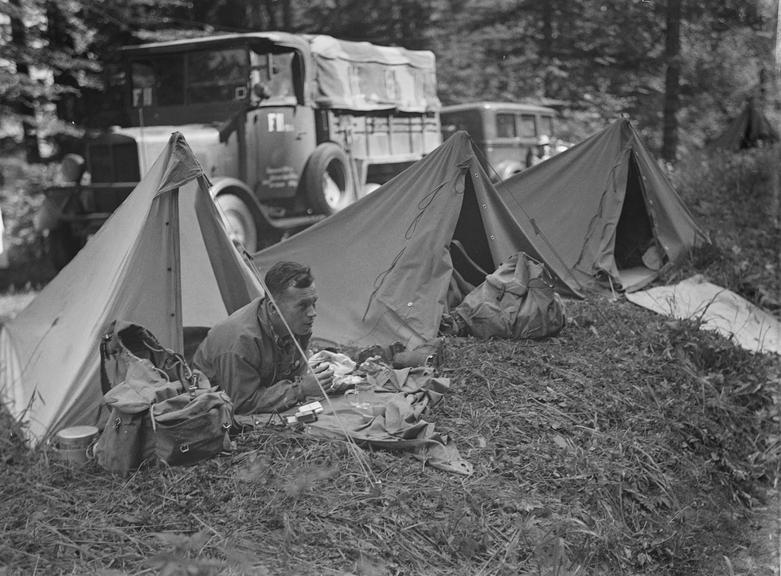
x,y
527,126
158,81
276,73
217,75
505,125
212,76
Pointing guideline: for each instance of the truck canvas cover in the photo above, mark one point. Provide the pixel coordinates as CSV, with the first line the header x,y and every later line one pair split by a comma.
x,y
364,76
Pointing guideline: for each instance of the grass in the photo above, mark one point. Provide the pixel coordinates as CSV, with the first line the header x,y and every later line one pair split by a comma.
x,y
629,444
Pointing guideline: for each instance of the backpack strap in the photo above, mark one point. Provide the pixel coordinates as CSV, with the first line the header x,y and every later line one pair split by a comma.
x,y
105,356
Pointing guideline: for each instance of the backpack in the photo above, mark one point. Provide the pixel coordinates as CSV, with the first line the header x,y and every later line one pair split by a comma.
x,y
516,301
159,408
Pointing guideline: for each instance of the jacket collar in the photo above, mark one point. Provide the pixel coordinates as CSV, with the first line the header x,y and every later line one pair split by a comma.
x,y
267,321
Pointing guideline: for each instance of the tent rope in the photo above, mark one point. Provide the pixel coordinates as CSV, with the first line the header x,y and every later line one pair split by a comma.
x,y
423,205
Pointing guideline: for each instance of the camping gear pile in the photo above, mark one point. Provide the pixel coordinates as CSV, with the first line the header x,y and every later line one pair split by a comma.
x,y
384,407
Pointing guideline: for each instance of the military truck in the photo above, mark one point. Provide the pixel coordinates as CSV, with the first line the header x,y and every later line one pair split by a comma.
x,y
289,128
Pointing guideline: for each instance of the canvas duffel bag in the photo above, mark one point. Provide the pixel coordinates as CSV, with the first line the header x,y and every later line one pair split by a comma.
x,y
516,301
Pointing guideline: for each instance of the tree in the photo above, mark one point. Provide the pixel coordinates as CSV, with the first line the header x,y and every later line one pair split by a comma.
x,y
25,92
672,52
665,64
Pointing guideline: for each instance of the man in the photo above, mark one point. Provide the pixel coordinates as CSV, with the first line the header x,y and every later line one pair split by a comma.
x,y
543,149
252,354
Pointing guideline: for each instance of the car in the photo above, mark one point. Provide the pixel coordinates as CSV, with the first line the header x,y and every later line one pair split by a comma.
x,y
506,133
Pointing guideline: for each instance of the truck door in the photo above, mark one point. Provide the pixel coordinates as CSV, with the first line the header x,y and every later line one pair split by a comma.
x,y
282,130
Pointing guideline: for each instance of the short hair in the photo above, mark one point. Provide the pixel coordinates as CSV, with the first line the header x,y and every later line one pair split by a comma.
x,y
283,275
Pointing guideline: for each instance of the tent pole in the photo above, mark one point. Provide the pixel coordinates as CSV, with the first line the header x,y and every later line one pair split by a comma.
x,y
176,270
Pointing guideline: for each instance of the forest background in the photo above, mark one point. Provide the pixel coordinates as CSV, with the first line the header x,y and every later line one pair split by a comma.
x,y
679,69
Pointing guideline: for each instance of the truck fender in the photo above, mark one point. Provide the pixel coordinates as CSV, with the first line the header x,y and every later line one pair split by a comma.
x,y
265,231
235,186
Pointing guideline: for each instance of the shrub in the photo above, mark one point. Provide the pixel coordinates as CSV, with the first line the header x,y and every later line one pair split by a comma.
x,y
21,194
730,195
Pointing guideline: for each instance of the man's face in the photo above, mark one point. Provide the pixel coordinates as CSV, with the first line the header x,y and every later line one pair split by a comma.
x,y
297,306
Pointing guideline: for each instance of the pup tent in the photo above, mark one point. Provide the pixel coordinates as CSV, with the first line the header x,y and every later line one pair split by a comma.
x,y
607,208
382,265
748,129
163,260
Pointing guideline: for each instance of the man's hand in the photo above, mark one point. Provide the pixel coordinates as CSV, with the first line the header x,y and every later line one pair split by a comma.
x,y
324,374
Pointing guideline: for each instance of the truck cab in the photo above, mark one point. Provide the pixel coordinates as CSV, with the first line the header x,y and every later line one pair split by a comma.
x,y
289,128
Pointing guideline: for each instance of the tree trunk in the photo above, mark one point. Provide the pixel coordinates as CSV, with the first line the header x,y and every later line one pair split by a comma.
x,y
60,40
546,49
672,52
24,107
287,16
271,12
775,206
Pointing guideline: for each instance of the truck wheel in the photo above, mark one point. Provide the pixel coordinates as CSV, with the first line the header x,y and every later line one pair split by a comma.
x,y
327,179
238,220
61,245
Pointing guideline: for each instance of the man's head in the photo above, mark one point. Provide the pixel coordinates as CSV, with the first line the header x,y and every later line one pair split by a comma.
x,y
543,146
293,288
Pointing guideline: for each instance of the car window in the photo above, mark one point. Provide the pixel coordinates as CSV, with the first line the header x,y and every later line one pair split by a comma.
x,y
527,126
546,125
505,126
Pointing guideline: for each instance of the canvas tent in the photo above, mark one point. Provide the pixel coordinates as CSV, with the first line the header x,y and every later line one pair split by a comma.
x,y
607,208
383,264
163,260
747,130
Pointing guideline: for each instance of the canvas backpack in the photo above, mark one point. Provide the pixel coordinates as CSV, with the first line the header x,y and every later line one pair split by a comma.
x,y
518,300
159,407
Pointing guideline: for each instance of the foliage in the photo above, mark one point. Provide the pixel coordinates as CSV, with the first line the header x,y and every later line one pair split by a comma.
x,y
732,193
20,196
600,59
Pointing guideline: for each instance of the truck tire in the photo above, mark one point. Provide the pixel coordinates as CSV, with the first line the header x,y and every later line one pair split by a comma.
x,y
328,179
239,221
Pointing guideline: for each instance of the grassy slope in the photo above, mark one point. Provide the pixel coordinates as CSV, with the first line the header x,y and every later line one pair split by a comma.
x,y
629,444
